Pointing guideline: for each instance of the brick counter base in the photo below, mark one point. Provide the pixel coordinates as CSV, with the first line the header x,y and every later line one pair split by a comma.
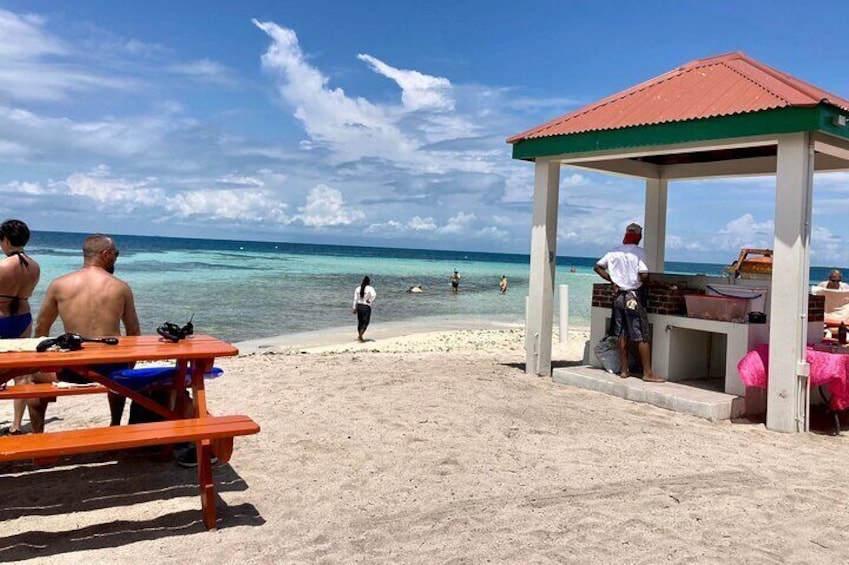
x,y
816,308
661,300
671,302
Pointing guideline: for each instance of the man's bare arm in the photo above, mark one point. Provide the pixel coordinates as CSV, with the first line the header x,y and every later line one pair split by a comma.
x,y
602,272
47,314
129,316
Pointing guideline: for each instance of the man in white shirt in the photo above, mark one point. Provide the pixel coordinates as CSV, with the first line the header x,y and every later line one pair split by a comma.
x,y
625,267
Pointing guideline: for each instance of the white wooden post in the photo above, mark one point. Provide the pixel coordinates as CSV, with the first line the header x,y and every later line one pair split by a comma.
x,y
788,388
540,315
564,313
654,230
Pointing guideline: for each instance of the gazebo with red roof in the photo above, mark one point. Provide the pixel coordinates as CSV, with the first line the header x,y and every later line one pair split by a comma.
x,y
722,116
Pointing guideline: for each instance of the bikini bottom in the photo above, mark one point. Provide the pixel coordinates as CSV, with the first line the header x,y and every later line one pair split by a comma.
x,y
14,326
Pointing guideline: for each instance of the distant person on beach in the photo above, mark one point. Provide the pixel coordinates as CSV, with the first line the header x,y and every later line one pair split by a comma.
x,y
19,274
834,282
415,289
455,282
94,303
503,284
625,267
364,297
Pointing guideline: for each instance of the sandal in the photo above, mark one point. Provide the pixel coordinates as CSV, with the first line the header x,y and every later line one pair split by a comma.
x,y
8,431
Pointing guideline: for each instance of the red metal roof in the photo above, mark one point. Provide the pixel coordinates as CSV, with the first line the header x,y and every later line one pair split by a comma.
x,y
705,88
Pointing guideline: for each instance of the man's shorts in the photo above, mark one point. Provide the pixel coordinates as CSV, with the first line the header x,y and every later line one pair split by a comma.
x,y
629,316
69,376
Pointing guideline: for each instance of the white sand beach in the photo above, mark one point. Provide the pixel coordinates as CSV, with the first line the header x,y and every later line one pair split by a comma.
x,y
435,447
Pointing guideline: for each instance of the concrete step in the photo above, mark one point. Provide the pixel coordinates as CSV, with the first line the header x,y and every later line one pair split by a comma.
x,y
687,397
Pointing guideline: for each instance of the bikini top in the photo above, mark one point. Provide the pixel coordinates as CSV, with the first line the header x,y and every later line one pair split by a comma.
x,y
15,301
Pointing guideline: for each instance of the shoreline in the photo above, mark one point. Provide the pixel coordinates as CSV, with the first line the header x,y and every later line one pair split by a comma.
x,y
417,334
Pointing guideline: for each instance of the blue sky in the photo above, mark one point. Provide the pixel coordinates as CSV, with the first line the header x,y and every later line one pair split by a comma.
x,y
372,122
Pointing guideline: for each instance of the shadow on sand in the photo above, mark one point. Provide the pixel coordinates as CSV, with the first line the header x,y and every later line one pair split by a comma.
x,y
554,364
102,481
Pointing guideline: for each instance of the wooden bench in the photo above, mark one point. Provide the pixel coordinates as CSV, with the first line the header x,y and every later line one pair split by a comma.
x,y
47,390
211,434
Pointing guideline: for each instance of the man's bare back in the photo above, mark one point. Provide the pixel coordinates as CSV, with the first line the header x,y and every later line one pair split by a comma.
x,y
91,301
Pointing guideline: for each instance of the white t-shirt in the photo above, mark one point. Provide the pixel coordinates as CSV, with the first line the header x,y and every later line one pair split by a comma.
x,y
368,297
843,285
624,265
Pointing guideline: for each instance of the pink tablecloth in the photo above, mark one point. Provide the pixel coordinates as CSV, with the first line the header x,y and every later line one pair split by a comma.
x,y
830,369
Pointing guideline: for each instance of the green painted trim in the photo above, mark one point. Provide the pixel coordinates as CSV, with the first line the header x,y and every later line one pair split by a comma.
x,y
767,122
827,119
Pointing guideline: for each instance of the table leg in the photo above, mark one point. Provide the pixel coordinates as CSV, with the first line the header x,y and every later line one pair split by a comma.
x,y
207,485
223,449
199,367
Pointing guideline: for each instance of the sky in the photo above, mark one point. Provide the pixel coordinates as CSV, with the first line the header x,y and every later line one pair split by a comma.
x,y
374,122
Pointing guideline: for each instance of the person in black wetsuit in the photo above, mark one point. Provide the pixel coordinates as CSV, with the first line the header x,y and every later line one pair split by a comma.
x,y
19,275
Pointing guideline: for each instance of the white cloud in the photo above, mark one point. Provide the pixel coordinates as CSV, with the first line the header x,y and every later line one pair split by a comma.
x,y
325,207
422,135
418,90
744,232
207,71
23,39
421,224
36,65
827,248
99,191
352,128
18,187
677,242
242,181
459,224
99,185
243,205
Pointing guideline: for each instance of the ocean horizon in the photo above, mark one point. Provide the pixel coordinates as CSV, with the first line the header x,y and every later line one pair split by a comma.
x,y
245,290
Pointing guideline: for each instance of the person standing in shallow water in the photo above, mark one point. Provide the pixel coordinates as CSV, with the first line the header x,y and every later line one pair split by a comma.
x,y
455,282
503,284
364,297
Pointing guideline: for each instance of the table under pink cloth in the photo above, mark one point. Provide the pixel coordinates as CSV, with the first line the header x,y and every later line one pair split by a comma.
x,y
830,369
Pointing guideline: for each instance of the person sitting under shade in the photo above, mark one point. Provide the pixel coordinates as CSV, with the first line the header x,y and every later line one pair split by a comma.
x,y
834,282
836,293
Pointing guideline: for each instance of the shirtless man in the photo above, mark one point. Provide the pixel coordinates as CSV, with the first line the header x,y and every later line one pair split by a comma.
x,y
91,302
19,274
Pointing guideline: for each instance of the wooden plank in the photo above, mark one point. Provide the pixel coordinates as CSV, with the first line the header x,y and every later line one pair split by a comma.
x,y
129,349
47,390
70,442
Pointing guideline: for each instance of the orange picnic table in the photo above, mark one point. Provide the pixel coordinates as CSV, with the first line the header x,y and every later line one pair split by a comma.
x,y
213,435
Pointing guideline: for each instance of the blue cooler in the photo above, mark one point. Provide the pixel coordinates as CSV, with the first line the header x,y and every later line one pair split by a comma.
x,y
140,379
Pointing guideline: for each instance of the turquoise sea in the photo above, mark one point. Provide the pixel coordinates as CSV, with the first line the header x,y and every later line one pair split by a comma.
x,y
240,290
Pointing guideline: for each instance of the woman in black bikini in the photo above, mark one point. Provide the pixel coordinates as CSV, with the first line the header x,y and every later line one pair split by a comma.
x,y
19,274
